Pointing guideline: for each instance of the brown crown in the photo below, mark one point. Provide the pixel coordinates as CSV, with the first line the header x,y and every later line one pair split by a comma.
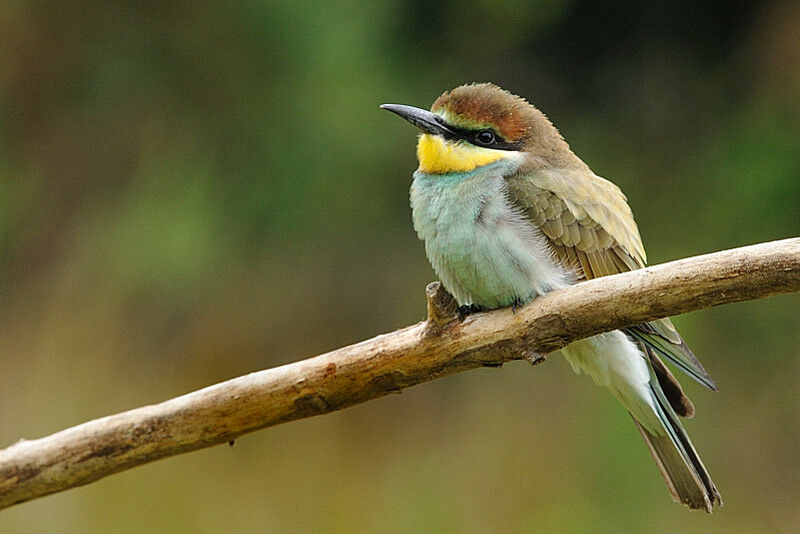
x,y
486,103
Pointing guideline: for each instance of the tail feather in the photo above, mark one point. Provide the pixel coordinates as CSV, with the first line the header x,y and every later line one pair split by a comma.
x,y
680,465
670,386
634,375
662,337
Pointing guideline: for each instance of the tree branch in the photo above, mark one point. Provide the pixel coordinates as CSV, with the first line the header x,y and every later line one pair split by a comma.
x,y
388,363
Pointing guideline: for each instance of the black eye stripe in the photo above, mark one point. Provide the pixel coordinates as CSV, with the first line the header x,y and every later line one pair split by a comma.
x,y
471,136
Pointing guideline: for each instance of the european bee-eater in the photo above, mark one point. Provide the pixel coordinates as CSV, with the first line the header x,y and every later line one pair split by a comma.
x,y
508,212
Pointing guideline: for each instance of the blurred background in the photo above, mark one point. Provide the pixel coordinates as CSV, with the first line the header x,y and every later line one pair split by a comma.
x,y
192,191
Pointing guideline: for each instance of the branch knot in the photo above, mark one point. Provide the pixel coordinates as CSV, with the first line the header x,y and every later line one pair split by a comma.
x,y
442,306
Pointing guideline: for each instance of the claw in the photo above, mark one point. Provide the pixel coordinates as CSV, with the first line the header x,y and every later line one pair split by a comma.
x,y
533,357
468,309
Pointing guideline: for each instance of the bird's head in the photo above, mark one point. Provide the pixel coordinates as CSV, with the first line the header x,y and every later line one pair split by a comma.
x,y
478,124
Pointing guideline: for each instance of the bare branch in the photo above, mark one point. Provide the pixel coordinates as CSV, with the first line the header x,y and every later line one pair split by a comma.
x,y
388,363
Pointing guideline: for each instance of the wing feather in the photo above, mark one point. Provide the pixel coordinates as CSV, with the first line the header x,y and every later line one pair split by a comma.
x,y
591,229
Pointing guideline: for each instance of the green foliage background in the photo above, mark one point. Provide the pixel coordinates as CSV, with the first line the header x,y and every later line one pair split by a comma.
x,y
192,191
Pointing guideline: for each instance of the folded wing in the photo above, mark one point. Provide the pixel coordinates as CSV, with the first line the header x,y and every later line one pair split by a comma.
x,y
591,231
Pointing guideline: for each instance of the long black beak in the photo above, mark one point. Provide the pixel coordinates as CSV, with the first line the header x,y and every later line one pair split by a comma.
x,y
422,119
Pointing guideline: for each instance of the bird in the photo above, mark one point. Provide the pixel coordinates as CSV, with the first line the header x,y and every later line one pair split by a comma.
x,y
507,213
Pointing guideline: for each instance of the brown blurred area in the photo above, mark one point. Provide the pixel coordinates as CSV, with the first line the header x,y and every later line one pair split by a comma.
x,y
189,192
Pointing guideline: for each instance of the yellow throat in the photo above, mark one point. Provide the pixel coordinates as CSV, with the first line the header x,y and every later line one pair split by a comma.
x,y
438,155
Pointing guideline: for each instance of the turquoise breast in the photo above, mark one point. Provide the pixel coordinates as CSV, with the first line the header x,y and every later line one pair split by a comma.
x,y
481,246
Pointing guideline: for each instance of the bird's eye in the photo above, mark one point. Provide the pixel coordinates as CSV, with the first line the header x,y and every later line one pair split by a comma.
x,y
485,137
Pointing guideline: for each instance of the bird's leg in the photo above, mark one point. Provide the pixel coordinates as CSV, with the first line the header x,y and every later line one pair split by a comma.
x,y
468,309
516,305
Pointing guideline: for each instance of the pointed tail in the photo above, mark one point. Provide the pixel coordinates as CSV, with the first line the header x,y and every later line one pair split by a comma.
x,y
632,372
680,465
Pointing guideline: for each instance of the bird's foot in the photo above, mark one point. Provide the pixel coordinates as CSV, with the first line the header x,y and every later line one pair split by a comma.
x,y
533,357
467,309
517,304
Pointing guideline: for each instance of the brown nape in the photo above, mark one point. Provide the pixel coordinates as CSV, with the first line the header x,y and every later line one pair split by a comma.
x,y
671,387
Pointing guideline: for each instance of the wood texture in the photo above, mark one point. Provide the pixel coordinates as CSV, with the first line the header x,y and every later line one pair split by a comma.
x,y
388,363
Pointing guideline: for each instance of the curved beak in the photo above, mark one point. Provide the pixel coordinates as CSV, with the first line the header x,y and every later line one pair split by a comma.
x,y
422,119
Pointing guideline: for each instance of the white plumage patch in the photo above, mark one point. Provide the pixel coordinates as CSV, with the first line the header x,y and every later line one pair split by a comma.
x,y
615,362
